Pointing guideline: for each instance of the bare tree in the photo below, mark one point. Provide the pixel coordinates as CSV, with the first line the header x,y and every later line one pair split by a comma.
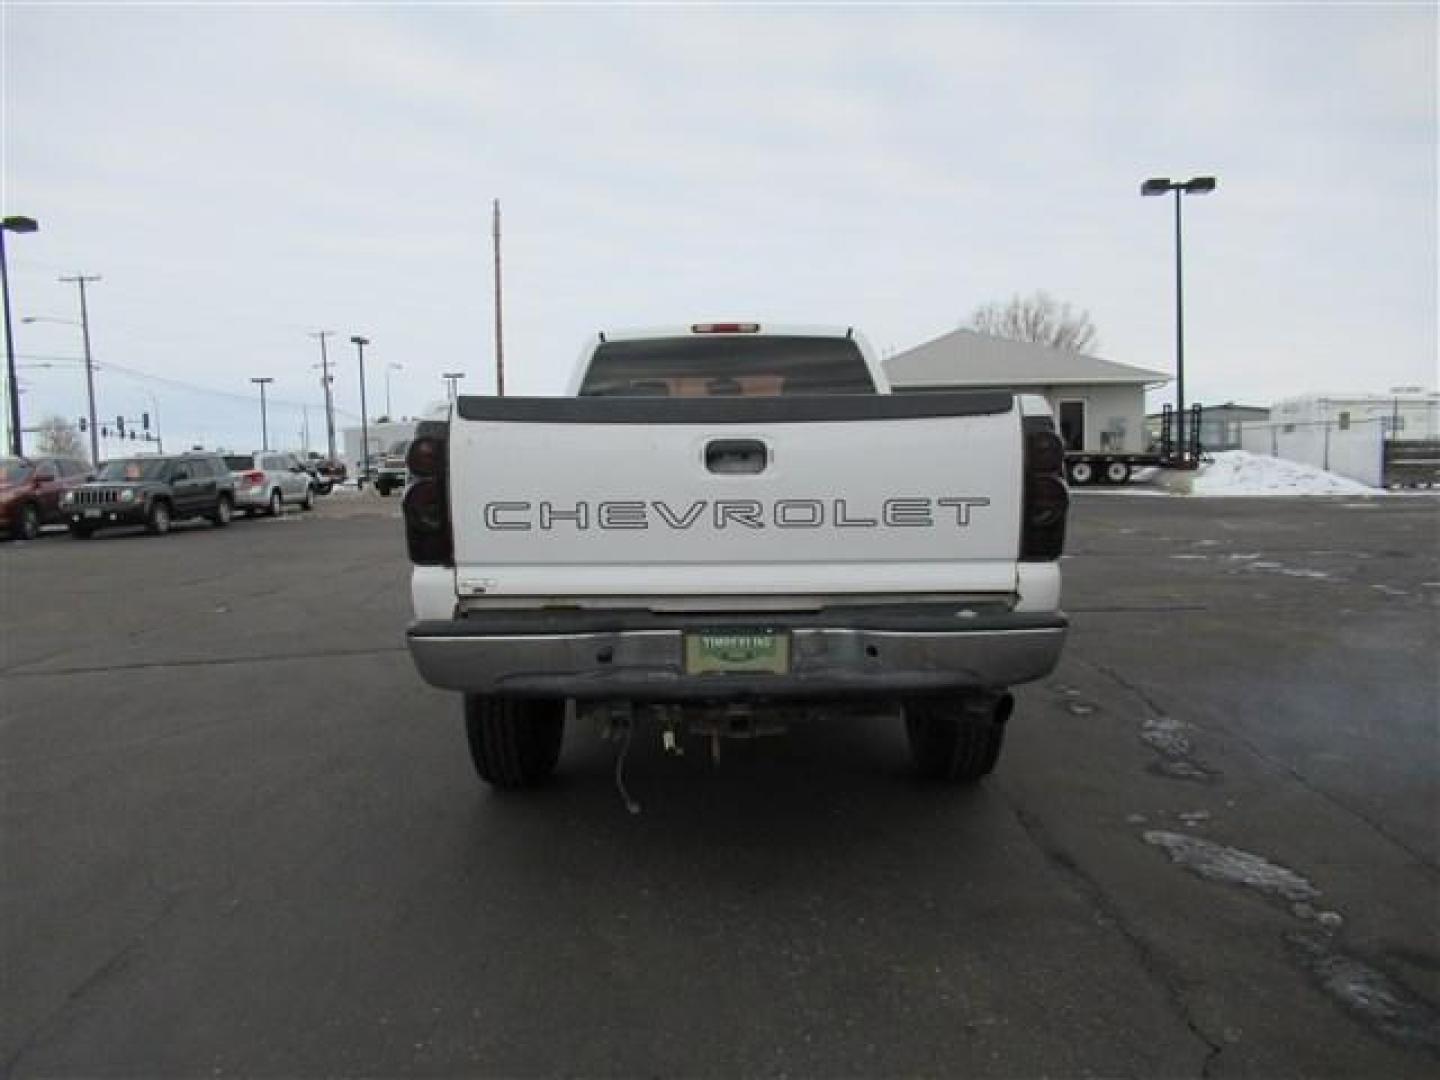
x,y
60,437
1039,318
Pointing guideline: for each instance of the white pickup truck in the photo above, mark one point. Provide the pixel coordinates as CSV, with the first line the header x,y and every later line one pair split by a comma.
x,y
726,527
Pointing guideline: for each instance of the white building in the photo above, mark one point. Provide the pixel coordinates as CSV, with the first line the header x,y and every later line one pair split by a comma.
x,y
1099,404
1406,412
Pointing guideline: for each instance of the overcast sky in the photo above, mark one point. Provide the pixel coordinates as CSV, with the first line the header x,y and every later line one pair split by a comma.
x,y
240,176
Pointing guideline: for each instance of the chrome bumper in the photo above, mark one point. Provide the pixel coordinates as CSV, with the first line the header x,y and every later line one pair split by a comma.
x,y
537,655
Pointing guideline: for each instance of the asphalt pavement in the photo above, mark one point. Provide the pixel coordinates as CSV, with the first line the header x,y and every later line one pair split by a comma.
x,y
241,838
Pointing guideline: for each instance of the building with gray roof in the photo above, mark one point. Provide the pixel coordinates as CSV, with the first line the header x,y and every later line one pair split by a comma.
x,y
1099,404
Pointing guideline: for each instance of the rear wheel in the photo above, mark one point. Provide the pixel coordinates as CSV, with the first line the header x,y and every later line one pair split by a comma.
x,y
157,518
224,511
276,505
956,739
1081,472
308,503
514,744
1117,472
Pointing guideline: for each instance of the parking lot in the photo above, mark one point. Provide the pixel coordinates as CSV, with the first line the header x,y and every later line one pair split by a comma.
x,y
242,838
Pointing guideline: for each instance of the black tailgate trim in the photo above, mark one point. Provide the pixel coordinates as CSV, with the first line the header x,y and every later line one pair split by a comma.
x,y
729,410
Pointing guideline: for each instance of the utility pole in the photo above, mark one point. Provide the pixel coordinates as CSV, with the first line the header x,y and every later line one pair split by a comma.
x,y
499,329
329,400
264,423
82,280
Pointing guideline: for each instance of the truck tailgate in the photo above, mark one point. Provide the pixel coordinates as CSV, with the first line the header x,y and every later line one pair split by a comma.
x,y
640,497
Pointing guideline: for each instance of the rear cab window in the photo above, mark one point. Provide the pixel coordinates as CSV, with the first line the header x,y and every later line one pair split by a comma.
x,y
727,366
239,462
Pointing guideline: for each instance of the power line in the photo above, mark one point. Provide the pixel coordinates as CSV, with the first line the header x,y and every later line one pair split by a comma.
x,y
181,384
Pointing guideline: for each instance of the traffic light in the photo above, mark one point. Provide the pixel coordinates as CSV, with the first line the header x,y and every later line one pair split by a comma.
x,y
145,420
120,425
84,424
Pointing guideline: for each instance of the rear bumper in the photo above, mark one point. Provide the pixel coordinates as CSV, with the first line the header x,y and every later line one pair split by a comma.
x,y
878,652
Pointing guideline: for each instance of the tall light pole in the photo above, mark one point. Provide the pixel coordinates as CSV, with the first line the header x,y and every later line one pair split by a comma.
x,y
264,422
392,366
12,387
325,381
1162,185
499,328
360,343
452,379
82,280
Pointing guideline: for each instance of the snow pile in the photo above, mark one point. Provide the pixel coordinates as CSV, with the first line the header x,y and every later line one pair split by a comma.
x,y
1237,472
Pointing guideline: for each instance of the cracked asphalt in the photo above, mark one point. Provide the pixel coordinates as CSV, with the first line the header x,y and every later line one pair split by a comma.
x,y
240,837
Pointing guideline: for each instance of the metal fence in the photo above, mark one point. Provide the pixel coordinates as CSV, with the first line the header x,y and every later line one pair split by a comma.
x,y
1354,449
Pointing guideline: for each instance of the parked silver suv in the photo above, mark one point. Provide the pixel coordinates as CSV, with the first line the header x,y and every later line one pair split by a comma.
x,y
265,482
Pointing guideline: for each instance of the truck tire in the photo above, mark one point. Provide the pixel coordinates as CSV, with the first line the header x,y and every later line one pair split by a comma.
x,y
514,744
157,518
1080,472
1117,472
957,739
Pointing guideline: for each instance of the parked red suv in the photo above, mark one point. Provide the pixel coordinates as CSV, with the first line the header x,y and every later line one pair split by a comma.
x,y
30,490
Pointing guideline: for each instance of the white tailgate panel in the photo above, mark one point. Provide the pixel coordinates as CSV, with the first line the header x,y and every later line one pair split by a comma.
x,y
568,509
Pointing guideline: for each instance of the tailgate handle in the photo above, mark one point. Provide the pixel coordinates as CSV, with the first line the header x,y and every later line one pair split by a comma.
x,y
736,456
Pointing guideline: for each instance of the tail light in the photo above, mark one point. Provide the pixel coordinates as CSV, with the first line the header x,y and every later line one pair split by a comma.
x,y
1047,500
426,505
254,477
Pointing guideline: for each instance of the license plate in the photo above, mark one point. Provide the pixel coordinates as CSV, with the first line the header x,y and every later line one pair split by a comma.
x,y
764,652
92,513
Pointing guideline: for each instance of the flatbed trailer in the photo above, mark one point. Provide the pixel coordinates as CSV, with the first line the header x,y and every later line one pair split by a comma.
x,y
1085,467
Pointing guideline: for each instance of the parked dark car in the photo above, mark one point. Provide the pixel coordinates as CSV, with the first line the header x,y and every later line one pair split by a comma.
x,y
154,491
30,492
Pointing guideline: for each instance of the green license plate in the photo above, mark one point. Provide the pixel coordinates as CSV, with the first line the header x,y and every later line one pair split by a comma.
x,y
763,652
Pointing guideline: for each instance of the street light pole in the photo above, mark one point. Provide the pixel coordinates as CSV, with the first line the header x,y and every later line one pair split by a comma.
x,y
12,385
264,423
89,368
389,368
360,343
452,380
1161,185
325,381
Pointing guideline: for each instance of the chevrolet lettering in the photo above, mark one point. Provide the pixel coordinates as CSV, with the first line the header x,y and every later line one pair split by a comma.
x,y
897,513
